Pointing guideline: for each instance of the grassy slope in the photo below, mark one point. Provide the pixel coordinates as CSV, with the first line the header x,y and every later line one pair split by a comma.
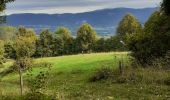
x,y
69,79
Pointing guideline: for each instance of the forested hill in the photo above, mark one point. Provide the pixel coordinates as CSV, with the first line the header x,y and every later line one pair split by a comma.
x,y
105,21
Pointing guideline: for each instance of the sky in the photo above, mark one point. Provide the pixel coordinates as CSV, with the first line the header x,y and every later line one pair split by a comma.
x,y
74,6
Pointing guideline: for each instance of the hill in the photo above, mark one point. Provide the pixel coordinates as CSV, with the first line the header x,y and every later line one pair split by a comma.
x,y
105,21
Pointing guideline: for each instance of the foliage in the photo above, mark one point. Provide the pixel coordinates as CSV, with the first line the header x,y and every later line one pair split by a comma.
x,y
3,4
165,6
65,35
58,43
86,37
143,76
38,86
102,74
128,25
10,52
153,43
24,47
22,64
2,8
8,33
45,44
58,46
1,52
99,45
108,44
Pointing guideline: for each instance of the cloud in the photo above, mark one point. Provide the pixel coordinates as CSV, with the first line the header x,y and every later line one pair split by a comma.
x,y
74,6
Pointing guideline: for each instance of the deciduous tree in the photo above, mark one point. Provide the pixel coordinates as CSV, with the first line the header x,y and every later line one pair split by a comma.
x,y
86,37
128,25
24,47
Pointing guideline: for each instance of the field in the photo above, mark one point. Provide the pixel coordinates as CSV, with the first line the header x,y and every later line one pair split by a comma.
x,y
69,79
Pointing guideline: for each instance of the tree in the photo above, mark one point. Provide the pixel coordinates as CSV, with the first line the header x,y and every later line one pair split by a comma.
x,y
65,34
58,46
128,25
100,45
86,37
165,7
2,8
10,52
45,44
153,43
24,47
3,4
8,33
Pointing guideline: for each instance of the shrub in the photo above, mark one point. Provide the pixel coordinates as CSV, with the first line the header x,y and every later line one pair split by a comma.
x,y
38,85
102,74
37,96
167,81
42,64
144,75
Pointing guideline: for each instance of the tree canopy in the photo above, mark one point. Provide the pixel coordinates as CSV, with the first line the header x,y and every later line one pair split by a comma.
x,y
153,43
86,37
3,4
64,33
165,6
25,43
128,25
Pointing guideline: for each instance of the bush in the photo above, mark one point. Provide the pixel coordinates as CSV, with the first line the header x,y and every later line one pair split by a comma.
x,y
37,96
167,81
38,85
144,75
102,74
42,64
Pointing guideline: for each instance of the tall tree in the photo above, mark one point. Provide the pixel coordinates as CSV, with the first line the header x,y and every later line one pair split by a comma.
x,y
153,43
86,37
45,44
65,34
128,25
24,48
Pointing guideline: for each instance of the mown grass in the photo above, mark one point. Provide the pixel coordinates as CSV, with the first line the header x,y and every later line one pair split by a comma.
x,y
69,80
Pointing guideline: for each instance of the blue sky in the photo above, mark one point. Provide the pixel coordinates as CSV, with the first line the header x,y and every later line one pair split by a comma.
x,y
74,6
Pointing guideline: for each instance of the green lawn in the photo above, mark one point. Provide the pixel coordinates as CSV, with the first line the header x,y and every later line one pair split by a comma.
x,y
69,79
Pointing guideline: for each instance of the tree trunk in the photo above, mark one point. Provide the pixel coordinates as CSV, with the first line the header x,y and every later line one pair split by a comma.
x,y
21,81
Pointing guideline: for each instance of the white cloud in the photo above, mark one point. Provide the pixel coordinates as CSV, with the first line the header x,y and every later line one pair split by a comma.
x,y
74,6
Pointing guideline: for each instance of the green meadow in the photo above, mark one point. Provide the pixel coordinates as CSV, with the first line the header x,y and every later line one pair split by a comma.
x,y
68,79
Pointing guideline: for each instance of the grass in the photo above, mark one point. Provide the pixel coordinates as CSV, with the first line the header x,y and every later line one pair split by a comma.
x,y
69,80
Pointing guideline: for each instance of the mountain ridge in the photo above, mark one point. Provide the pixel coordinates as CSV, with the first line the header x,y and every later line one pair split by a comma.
x,y
107,19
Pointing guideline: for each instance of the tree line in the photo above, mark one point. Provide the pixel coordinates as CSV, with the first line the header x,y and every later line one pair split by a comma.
x,y
60,42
